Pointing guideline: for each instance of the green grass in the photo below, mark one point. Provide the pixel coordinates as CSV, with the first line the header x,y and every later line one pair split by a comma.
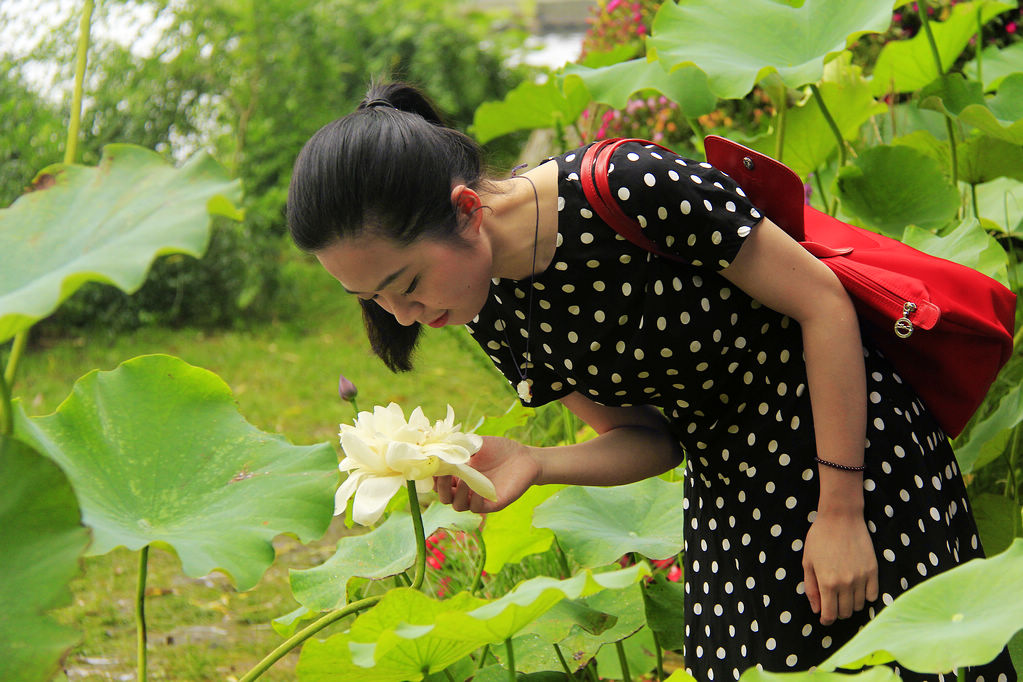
x,y
284,376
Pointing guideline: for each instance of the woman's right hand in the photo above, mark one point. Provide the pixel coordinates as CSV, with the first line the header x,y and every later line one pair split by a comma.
x,y
510,466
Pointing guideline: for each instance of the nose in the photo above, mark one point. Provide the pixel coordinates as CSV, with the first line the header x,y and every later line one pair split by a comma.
x,y
406,312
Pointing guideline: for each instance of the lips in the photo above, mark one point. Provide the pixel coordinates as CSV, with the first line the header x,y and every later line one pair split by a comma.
x,y
440,321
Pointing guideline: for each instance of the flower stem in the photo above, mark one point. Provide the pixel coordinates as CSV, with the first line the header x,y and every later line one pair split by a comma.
x,y
306,633
561,659
622,662
17,348
483,658
659,667
562,560
477,582
510,650
6,408
417,524
140,613
71,149
831,123
926,23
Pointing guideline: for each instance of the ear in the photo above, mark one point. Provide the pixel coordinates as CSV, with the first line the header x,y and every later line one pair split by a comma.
x,y
467,205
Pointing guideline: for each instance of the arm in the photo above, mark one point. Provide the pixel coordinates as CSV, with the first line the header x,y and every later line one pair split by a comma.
x,y
839,565
633,443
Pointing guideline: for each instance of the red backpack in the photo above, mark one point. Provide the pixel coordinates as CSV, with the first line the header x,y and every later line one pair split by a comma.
x,y
946,328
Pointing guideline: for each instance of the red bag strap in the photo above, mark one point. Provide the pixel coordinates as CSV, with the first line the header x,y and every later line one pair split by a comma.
x,y
593,176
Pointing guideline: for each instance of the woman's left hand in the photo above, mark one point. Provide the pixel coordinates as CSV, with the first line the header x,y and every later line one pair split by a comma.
x,y
839,566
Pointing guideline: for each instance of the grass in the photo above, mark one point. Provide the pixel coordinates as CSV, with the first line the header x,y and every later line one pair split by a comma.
x,y
284,377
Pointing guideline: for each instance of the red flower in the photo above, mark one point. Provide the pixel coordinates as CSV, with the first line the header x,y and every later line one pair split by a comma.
x,y
675,574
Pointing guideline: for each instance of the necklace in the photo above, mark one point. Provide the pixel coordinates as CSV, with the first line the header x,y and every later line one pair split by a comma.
x,y
522,388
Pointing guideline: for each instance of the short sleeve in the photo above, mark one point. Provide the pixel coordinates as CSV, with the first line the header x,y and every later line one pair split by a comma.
x,y
687,208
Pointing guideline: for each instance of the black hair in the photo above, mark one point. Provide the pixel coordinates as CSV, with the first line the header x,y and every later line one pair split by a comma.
x,y
385,169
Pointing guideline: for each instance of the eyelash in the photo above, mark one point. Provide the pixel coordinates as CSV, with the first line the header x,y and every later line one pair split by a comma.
x,y
411,287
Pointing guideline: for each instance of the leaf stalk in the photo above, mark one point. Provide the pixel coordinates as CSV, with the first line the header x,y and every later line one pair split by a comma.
x,y
71,149
141,637
831,123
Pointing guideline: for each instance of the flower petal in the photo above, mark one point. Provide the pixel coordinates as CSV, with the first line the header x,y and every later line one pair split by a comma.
x,y
450,453
345,491
418,420
401,455
372,497
476,481
367,457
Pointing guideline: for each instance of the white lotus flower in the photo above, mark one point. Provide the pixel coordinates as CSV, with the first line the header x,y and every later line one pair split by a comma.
x,y
383,450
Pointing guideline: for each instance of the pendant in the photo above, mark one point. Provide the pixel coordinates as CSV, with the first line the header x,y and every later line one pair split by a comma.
x,y
523,389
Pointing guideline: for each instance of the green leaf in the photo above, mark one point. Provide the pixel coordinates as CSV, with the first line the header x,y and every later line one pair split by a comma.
x,y
961,617
998,62
408,634
596,526
42,539
509,534
908,65
627,607
950,93
809,140
387,550
1001,202
738,47
619,53
157,453
983,158
889,187
989,438
614,84
1000,116
517,415
663,604
102,224
875,674
531,106
998,520
638,656
968,244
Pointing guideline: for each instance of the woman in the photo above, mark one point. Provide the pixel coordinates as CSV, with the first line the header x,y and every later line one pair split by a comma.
x,y
818,488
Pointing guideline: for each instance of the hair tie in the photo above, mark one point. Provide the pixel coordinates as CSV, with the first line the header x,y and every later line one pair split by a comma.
x,y
378,102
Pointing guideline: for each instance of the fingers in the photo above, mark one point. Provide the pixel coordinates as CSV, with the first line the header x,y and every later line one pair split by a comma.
x,y
443,486
813,592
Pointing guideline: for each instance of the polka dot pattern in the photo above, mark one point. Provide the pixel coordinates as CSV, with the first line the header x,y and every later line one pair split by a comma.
x,y
623,327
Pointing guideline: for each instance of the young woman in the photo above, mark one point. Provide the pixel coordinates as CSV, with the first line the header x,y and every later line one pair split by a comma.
x,y
818,486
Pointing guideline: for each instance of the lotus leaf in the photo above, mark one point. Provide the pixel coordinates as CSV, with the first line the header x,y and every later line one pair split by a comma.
x,y
103,224
889,187
908,65
739,42
42,539
157,453
614,84
957,618
386,550
595,526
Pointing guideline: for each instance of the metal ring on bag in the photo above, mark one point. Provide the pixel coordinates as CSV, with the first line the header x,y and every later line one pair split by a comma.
x,y
747,163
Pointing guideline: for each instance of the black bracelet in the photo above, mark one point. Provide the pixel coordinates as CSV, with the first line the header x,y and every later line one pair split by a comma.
x,y
843,467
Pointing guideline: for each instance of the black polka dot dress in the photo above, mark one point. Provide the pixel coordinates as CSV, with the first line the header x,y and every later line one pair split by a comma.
x,y
624,327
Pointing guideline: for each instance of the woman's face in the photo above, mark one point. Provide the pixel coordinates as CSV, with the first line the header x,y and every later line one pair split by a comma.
x,y
429,281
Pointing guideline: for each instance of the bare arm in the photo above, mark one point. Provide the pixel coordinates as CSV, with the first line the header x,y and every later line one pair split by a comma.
x,y
633,443
838,560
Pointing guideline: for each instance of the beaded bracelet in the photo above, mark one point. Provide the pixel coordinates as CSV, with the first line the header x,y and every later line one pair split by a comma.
x,y
843,467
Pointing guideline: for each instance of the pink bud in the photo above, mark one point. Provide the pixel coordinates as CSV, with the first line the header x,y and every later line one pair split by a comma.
x,y
346,389
1010,27
675,574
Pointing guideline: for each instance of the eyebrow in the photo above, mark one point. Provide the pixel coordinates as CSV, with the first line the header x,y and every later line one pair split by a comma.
x,y
387,280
